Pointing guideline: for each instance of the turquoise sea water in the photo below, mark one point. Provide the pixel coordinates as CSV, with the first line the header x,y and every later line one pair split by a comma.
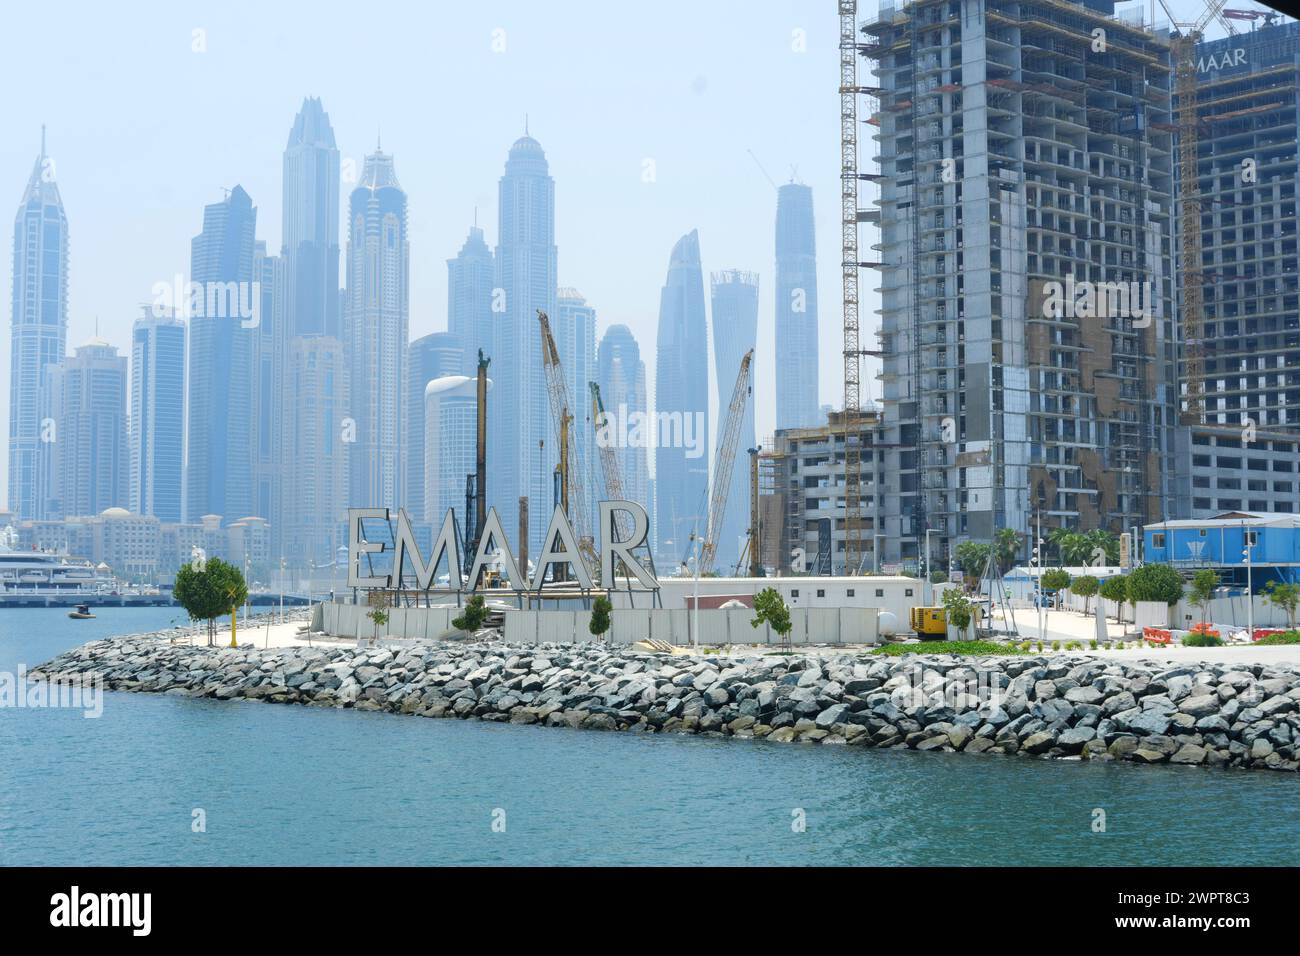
x,y
291,785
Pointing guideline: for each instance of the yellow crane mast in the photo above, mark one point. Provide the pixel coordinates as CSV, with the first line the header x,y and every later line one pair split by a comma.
x,y
573,496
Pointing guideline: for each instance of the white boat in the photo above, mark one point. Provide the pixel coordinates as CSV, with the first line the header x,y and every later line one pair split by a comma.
x,y
42,572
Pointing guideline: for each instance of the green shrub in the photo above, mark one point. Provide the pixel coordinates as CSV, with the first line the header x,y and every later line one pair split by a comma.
x,y
1155,582
1202,640
962,648
600,609
1286,637
1092,645
472,618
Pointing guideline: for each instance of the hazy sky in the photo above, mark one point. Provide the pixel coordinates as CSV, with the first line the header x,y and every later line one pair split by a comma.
x,y
144,131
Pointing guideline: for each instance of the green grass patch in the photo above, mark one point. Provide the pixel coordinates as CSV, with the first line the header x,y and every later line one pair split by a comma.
x,y
963,648
1272,640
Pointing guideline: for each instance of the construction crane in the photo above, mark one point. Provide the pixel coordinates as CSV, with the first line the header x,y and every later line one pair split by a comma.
x,y
1268,16
573,496
724,461
1182,50
609,466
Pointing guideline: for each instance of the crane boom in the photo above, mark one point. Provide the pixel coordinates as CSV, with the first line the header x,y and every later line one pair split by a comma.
x,y
573,496
724,461
609,466
1183,54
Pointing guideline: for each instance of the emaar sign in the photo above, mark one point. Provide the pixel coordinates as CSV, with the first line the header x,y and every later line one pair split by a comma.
x,y
1225,60
559,547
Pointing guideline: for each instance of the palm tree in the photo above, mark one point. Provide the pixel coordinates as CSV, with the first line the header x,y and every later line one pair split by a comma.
x,y
1006,547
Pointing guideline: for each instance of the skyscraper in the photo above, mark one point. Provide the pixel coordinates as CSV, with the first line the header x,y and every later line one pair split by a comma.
x,y
270,345
451,428
315,499
38,336
621,374
222,332
432,356
311,223
306,350
1245,448
735,332
796,309
1009,387
157,416
471,277
574,328
523,446
92,445
682,405
377,318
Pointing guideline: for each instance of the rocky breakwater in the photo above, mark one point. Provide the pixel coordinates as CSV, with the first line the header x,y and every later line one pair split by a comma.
x,y
1239,715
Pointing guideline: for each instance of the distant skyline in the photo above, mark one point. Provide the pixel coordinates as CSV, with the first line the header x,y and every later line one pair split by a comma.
x,y
656,148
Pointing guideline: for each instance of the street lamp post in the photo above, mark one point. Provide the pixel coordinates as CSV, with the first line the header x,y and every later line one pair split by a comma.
x,y
927,589
1250,583
695,611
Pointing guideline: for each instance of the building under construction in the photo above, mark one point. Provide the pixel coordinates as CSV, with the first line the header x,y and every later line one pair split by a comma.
x,y
1244,445
1026,210
801,496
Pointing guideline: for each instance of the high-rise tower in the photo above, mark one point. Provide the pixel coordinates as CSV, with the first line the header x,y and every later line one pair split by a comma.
x,y
796,309
1026,306
521,433
222,331
93,447
38,337
735,332
433,356
303,332
311,223
682,405
621,374
471,277
157,416
377,318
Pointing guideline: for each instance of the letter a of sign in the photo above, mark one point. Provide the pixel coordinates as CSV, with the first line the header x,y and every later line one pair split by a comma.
x,y
406,548
561,531
493,534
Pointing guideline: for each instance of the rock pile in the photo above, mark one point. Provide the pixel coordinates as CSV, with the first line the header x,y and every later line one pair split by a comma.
x,y
1239,715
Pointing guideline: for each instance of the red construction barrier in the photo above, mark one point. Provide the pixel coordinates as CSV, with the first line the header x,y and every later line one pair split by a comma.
x,y
1157,635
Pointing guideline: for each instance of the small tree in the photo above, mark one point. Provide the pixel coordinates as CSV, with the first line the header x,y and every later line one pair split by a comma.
x,y
1085,586
1054,579
1204,584
770,609
1285,596
958,609
472,618
207,589
1115,588
600,619
1155,582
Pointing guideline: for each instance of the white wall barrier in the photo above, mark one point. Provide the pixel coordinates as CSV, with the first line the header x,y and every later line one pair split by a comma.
x,y
817,625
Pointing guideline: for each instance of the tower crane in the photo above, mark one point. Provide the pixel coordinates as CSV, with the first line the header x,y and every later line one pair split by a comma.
x,y
1183,52
573,496
723,462
609,466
